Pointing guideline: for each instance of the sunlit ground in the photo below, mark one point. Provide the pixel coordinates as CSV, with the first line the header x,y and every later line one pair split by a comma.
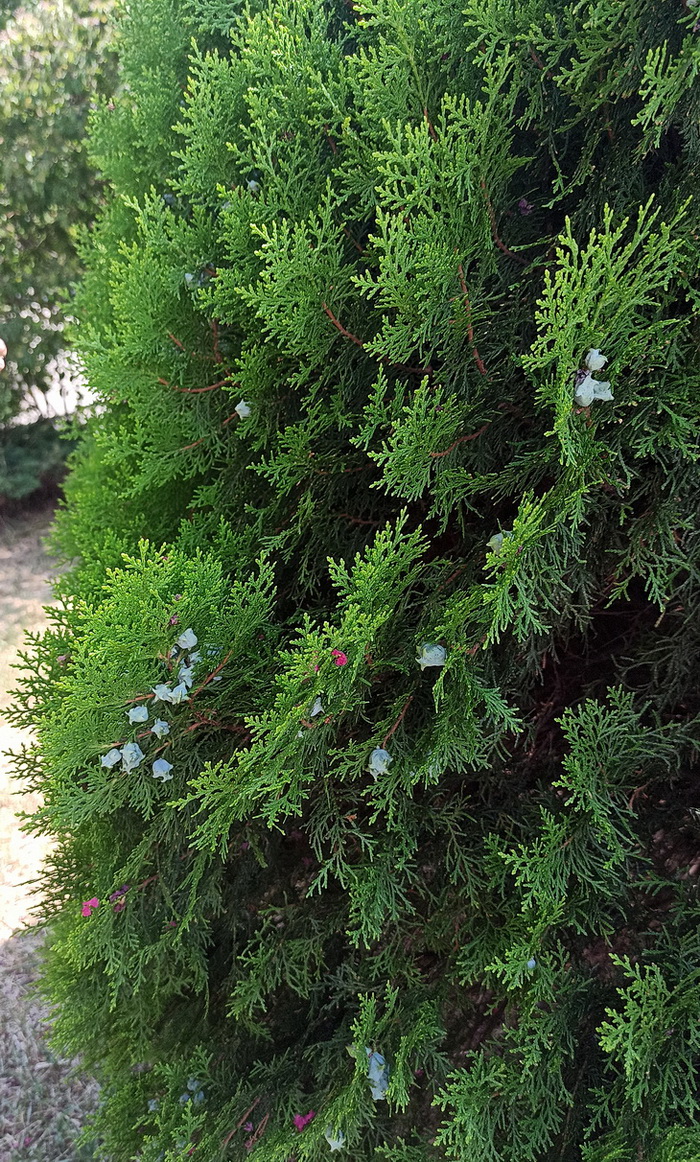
x,y
41,1107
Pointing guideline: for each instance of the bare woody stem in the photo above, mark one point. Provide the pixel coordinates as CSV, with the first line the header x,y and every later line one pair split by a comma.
x,y
461,440
194,390
470,330
399,720
193,354
356,519
215,339
341,328
494,230
210,676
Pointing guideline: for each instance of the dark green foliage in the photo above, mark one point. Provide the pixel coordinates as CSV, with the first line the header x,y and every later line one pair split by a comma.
x,y
31,455
393,231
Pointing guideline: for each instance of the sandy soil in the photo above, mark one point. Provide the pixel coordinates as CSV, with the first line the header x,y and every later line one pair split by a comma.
x,y
42,1106
24,590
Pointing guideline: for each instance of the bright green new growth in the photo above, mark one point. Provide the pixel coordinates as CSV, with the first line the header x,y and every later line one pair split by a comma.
x,y
337,311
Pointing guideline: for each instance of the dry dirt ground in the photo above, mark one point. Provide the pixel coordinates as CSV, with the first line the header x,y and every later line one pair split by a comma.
x,y
42,1104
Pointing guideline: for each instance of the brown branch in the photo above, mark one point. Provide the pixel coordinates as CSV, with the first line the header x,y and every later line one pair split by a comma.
x,y
215,337
197,390
356,520
431,128
473,650
193,354
210,676
411,370
494,230
354,241
258,1133
407,703
238,1125
186,447
330,140
382,358
470,329
340,327
216,724
461,440
452,577
343,471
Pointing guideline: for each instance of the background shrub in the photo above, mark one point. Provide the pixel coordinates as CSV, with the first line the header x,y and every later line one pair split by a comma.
x,y
55,61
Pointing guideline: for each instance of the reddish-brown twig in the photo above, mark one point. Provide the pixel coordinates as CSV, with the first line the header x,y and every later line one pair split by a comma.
x,y
330,140
356,519
461,440
470,329
215,339
431,128
258,1133
538,61
341,328
183,348
238,1125
382,358
216,724
210,676
343,471
354,241
452,577
470,653
186,447
494,230
195,390
406,367
399,720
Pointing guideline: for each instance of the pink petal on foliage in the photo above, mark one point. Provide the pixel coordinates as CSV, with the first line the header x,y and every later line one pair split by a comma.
x,y
301,1121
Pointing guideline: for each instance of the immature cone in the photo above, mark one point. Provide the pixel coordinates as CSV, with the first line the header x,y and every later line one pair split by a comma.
x,y
379,761
378,1074
590,389
335,1138
431,655
132,755
112,757
594,359
495,544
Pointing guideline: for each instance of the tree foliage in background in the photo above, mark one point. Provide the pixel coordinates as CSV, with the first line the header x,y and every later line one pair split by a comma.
x,y
367,725
55,61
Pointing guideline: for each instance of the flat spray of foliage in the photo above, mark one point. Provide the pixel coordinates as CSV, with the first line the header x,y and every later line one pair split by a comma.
x,y
399,858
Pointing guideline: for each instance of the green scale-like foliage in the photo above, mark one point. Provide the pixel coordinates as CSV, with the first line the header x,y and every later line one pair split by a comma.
x,y
334,312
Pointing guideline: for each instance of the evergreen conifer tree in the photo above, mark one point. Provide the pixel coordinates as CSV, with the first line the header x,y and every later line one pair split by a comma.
x,y
367,724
